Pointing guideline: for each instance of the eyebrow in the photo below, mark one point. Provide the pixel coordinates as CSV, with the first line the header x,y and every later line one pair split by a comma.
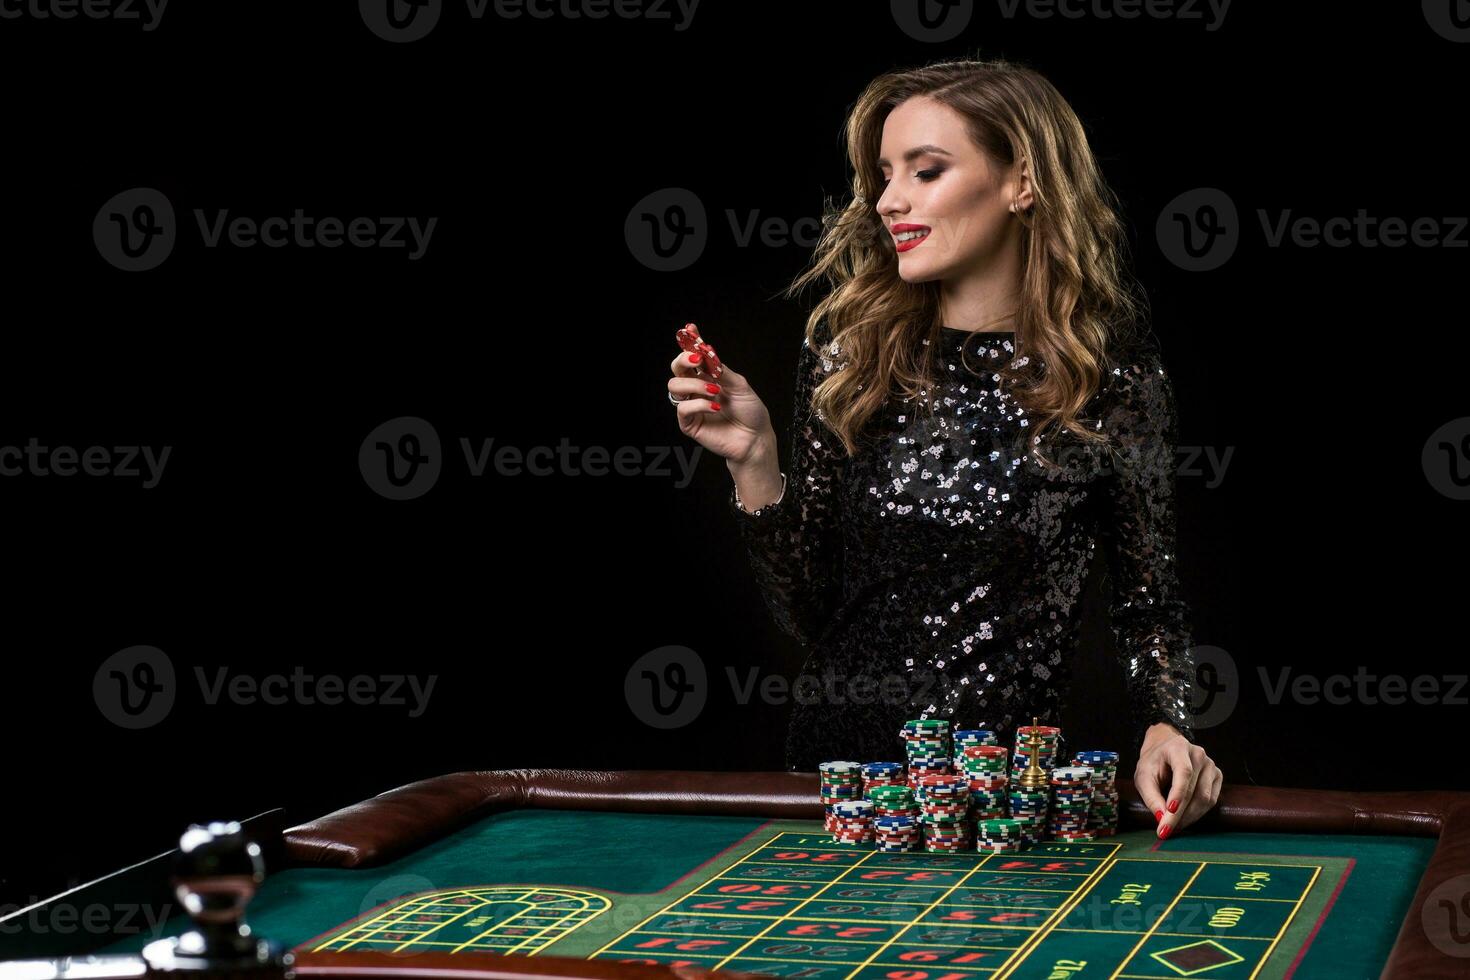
x,y
917,151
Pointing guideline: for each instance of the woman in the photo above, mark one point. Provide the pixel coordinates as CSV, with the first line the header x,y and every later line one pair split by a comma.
x,y
976,409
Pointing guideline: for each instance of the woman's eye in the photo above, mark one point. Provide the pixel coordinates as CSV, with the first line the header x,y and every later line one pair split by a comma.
x,y
924,175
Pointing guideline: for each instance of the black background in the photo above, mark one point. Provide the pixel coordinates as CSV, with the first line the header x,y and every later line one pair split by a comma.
x,y
1324,370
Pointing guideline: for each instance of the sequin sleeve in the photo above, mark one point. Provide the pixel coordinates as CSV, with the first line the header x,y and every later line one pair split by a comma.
x,y
795,543
1150,619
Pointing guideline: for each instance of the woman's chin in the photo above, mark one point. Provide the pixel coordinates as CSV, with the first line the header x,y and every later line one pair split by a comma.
x,y
913,272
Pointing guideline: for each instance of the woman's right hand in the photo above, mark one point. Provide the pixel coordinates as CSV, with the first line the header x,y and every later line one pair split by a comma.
x,y
738,428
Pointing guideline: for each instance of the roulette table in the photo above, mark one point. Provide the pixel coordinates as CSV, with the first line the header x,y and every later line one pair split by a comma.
x,y
652,874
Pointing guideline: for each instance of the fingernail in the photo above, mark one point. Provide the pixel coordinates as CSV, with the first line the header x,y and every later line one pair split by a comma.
x,y
715,406
1158,815
713,389
1164,833
695,358
1173,806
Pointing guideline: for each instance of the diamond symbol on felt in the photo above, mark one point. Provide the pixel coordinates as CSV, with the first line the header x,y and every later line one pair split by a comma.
x,y
1197,957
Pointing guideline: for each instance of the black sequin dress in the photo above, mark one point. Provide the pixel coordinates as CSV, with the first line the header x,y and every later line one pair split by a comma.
x,y
939,573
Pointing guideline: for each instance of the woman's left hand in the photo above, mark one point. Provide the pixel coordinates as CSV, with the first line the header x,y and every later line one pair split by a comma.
x,y
1168,759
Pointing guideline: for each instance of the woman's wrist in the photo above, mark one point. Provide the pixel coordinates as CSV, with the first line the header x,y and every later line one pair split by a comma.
x,y
758,479
1158,732
763,456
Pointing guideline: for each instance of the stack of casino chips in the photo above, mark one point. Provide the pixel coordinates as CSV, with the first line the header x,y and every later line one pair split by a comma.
x,y
1029,808
1102,816
1071,798
1046,758
854,822
927,747
944,817
841,782
998,836
896,819
985,768
964,738
895,834
877,774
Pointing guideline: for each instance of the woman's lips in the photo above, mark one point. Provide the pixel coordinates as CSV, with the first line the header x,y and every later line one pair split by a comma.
x,y
912,242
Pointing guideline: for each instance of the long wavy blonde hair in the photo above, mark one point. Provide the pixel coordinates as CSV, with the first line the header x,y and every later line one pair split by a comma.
x,y
1077,298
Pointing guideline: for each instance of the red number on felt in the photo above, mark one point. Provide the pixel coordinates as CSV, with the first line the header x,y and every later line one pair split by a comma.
x,y
803,855
763,889
724,903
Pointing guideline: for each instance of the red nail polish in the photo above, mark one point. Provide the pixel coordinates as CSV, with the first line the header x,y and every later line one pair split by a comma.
x,y
1164,833
715,406
1158,815
1174,806
695,358
713,389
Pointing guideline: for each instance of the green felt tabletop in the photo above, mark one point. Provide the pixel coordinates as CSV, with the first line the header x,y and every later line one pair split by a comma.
x,y
623,885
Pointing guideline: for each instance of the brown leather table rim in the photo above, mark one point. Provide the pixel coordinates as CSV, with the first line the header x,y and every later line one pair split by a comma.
x,y
402,819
